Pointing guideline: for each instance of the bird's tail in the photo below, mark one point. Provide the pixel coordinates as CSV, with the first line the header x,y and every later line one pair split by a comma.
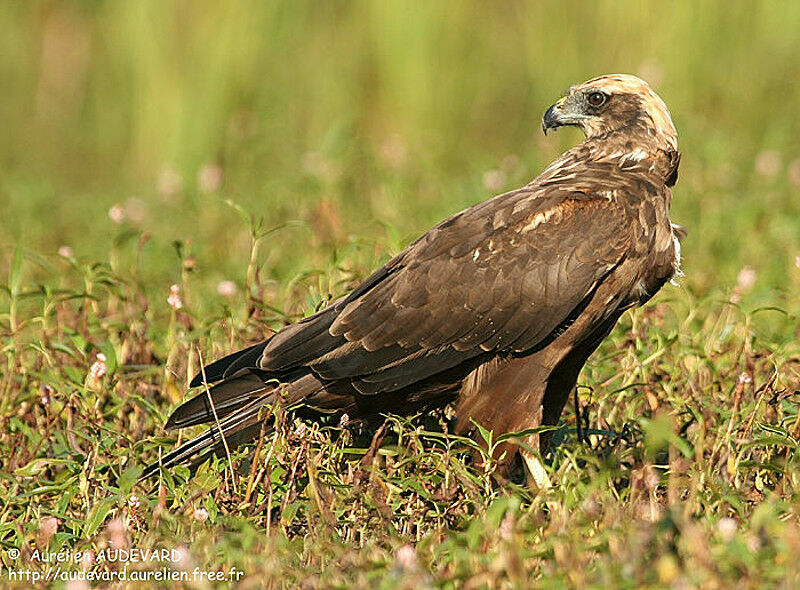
x,y
232,424
234,406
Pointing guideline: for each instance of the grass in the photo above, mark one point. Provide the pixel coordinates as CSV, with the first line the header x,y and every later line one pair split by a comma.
x,y
686,468
264,158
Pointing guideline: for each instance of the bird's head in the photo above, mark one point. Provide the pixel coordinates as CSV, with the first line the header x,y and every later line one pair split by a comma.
x,y
610,103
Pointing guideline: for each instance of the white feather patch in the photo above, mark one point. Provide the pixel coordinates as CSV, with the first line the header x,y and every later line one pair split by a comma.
x,y
636,155
676,264
539,219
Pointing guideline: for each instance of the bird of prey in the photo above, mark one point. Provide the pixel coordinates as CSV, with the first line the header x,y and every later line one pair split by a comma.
x,y
496,309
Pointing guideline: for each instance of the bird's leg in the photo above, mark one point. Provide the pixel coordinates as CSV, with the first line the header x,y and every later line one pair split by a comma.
x,y
535,474
507,395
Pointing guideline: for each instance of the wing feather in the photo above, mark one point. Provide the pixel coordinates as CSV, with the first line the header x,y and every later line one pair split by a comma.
x,y
437,311
500,276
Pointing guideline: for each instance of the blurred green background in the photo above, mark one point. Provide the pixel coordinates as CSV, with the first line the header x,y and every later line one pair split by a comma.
x,y
352,127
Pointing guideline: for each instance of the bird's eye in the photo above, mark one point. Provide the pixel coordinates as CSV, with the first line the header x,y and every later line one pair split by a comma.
x,y
597,99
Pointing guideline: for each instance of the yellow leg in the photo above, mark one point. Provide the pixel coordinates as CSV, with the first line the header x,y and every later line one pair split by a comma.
x,y
535,473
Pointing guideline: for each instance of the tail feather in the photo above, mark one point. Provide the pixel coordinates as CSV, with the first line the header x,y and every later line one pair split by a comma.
x,y
227,396
238,425
237,404
228,365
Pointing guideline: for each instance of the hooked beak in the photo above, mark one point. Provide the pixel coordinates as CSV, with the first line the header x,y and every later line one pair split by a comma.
x,y
551,119
563,112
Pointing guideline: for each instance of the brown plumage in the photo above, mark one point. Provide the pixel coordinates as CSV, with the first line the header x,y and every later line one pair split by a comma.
x,y
497,308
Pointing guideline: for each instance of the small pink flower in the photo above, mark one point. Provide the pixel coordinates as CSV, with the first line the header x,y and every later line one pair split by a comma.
x,y
344,420
753,543
746,279
174,298
494,180
135,210
46,393
169,183
182,559
87,559
117,532
768,163
98,369
65,252
48,527
507,526
209,178
727,528
227,288
116,214
200,514
406,558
